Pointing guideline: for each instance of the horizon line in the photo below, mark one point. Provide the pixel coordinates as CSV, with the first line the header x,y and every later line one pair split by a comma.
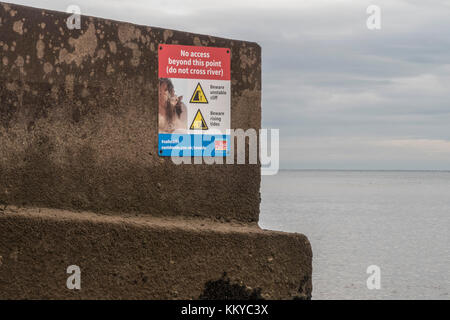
x,y
386,170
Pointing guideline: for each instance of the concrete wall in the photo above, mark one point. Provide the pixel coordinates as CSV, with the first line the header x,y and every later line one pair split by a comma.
x,y
79,127
146,258
81,182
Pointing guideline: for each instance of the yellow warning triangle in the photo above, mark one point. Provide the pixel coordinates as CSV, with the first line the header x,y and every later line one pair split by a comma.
x,y
199,122
198,96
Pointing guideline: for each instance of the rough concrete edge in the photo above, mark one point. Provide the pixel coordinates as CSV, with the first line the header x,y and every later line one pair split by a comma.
x,y
131,23
140,220
231,287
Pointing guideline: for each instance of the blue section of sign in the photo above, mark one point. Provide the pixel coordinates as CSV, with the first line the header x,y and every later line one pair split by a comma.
x,y
197,145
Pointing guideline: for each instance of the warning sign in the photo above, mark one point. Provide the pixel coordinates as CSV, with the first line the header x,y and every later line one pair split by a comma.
x,y
199,95
194,105
199,122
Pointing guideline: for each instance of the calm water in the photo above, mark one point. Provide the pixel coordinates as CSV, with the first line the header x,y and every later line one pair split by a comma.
x,y
399,221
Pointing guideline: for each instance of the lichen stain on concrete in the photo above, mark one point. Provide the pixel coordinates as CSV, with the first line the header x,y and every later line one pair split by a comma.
x,y
11,86
136,53
69,84
6,7
84,47
197,41
20,62
101,53
126,34
48,67
40,48
248,57
112,47
54,93
167,34
18,27
109,69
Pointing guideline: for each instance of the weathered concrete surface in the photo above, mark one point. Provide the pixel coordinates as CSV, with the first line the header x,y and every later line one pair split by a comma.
x,y
78,133
78,120
145,258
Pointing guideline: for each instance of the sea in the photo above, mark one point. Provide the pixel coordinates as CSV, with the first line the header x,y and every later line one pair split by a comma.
x,y
374,234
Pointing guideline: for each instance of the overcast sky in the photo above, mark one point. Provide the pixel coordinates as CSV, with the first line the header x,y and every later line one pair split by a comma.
x,y
343,96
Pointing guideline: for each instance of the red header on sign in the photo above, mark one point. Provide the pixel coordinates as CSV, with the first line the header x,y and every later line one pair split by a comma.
x,y
192,62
